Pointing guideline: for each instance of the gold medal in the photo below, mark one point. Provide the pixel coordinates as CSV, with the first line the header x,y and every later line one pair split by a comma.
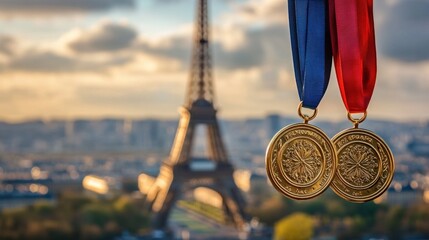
x,y
301,160
365,164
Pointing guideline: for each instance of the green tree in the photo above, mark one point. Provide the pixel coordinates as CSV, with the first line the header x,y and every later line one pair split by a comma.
x,y
298,226
394,222
74,217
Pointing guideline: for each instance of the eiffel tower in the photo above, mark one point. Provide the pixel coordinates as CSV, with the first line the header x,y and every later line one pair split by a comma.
x,y
177,174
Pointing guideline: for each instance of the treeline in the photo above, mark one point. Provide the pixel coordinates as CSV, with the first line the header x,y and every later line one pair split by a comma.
x,y
75,217
336,217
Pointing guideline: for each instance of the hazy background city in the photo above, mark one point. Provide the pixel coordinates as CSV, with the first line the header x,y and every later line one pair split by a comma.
x,y
92,88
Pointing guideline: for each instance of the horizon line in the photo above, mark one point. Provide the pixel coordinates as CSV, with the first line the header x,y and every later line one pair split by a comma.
x,y
171,118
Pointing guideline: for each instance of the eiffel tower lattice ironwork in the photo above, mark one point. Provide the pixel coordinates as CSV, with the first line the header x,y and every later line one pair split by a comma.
x,y
177,174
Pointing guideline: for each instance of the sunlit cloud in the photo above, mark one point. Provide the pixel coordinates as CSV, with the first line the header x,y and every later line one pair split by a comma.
x,y
260,12
103,37
48,8
52,62
7,45
403,34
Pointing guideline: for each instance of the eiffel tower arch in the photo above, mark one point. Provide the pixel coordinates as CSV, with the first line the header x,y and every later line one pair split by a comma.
x,y
178,173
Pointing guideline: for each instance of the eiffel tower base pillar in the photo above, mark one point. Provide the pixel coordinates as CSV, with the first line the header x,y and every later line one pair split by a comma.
x,y
183,179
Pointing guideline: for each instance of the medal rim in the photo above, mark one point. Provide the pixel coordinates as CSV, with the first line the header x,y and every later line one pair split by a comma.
x,y
268,167
379,192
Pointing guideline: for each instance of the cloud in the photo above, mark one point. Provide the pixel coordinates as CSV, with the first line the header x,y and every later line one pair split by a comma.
x,y
260,12
173,47
108,96
176,1
403,34
7,44
261,46
107,36
53,62
258,9
76,51
13,8
19,93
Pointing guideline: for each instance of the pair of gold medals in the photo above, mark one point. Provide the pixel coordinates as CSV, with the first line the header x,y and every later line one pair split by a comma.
x,y
302,162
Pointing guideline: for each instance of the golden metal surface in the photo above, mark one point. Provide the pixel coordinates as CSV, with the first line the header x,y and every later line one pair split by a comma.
x,y
306,117
365,165
357,121
300,161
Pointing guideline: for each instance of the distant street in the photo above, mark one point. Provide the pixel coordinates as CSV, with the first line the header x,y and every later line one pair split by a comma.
x,y
195,226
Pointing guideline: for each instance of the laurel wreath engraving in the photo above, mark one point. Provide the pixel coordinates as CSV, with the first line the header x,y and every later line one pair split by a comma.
x,y
358,164
302,161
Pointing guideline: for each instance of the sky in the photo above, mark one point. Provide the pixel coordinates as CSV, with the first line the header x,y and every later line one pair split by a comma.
x,y
67,59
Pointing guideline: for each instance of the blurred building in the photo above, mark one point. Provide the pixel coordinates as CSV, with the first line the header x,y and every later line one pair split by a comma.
x,y
409,194
17,193
145,182
419,146
101,186
273,124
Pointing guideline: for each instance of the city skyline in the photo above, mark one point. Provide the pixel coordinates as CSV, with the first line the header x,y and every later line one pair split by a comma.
x,y
130,59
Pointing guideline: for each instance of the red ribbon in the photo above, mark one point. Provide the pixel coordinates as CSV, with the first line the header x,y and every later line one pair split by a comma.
x,y
353,47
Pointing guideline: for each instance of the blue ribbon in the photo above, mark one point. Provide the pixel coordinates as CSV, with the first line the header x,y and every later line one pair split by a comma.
x,y
311,49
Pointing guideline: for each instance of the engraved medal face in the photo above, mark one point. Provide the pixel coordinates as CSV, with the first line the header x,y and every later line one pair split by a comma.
x,y
300,161
365,165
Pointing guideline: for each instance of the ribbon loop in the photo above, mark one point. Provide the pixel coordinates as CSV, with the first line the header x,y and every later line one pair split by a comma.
x,y
311,49
354,51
